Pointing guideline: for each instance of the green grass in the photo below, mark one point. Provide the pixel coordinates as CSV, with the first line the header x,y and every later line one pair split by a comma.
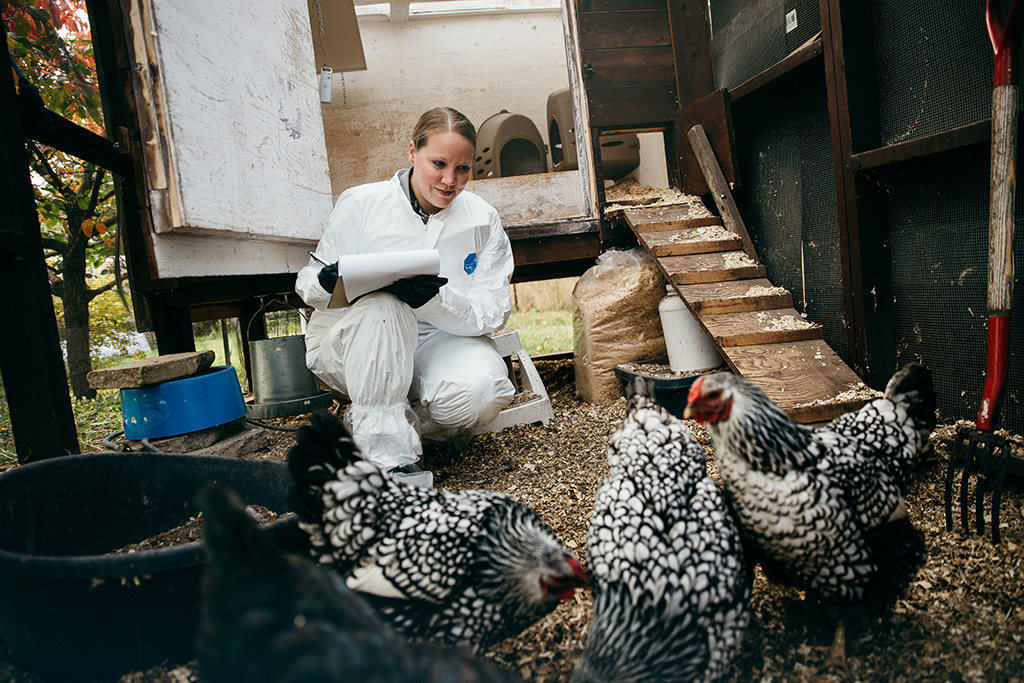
x,y
215,343
543,331
95,420
540,332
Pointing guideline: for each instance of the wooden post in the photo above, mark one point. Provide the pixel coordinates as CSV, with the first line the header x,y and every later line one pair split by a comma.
x,y
35,382
724,200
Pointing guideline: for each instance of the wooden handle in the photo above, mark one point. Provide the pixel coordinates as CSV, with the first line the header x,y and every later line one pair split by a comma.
x,y
1003,186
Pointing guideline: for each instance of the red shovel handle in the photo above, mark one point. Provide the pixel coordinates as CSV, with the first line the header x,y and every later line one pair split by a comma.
x,y
1005,39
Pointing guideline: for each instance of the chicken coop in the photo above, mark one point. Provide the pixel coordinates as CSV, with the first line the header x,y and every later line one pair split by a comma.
x,y
854,138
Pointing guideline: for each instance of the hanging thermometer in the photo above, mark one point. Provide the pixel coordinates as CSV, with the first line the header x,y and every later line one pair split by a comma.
x,y
325,84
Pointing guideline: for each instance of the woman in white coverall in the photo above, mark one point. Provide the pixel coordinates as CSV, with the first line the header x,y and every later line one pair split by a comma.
x,y
422,338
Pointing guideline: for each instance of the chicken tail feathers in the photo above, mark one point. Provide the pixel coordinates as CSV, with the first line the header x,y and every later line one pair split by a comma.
x,y
640,392
321,448
231,537
914,384
898,549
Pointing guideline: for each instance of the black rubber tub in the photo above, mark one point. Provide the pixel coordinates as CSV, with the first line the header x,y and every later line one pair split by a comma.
x,y
669,392
70,610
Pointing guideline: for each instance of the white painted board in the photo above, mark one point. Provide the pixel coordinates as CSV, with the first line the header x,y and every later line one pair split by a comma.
x,y
234,94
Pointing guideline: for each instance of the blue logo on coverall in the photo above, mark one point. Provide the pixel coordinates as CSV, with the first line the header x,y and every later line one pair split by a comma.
x,y
470,263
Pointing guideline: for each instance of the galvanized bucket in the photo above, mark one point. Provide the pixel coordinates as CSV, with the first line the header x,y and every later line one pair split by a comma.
x,y
282,385
279,371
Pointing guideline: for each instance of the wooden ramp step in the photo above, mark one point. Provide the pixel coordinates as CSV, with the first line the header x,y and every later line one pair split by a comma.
x,y
757,294
753,323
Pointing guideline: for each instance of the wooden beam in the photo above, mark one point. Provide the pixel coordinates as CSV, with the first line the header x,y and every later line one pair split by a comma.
x,y
42,125
35,383
804,54
691,47
720,188
957,138
714,114
850,76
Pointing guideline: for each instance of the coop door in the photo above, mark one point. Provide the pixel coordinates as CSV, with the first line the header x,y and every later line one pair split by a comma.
x,y
233,142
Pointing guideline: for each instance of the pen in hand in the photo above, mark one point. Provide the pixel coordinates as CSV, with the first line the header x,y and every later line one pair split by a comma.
x,y
318,259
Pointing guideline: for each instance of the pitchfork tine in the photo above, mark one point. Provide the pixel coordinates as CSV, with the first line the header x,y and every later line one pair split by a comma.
x,y
981,484
955,455
997,489
965,481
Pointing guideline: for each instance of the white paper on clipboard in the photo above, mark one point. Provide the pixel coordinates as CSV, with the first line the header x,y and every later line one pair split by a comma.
x,y
362,273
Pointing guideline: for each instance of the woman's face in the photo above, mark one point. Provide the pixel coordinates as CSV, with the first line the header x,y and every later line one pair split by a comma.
x,y
442,168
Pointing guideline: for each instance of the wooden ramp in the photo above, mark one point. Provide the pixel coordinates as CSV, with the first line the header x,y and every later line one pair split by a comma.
x,y
712,265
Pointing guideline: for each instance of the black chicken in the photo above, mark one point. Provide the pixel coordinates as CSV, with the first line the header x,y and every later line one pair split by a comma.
x,y
671,589
823,507
268,617
465,568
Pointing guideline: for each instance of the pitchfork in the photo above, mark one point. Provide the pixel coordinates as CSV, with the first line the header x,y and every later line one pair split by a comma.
x,y
981,449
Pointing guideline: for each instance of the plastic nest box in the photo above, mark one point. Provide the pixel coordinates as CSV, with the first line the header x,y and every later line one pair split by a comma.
x,y
620,153
508,145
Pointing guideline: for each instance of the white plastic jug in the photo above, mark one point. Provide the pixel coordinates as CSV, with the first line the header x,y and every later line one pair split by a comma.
x,y
689,347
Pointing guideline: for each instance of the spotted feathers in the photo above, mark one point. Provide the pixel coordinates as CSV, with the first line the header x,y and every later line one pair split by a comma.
x,y
822,506
465,568
670,585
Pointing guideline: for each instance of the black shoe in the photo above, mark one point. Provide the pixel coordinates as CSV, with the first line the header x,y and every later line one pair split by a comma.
x,y
440,453
411,468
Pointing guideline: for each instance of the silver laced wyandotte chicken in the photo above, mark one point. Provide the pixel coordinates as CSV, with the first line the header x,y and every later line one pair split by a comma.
x,y
671,587
271,617
465,568
823,508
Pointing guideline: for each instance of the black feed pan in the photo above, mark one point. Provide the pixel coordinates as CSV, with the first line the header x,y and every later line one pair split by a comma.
x,y
669,392
69,611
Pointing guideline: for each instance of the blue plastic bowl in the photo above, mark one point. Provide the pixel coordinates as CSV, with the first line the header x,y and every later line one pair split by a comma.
x,y
182,405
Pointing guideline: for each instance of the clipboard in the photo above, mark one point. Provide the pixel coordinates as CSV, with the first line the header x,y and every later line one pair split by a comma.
x,y
360,274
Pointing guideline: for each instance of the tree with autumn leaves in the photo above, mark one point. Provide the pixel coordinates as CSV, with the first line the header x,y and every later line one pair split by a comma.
x,y
50,45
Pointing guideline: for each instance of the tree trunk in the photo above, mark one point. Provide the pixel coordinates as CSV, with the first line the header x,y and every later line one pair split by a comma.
x,y
76,321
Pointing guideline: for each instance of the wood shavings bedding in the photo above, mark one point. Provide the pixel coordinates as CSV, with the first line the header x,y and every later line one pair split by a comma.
x,y
859,392
737,259
628,193
760,290
772,323
708,233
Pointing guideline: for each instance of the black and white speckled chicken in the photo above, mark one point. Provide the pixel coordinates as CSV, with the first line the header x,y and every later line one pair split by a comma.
x,y
671,587
271,617
823,507
466,568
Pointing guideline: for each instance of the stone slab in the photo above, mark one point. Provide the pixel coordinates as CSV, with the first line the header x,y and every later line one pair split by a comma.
x,y
150,371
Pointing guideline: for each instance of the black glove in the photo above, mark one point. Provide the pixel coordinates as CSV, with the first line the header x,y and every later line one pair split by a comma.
x,y
416,290
328,276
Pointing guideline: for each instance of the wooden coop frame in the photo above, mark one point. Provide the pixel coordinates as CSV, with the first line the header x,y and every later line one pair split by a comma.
x,y
643,65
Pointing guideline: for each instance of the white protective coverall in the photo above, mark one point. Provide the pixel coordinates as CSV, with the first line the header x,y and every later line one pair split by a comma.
x,y
381,353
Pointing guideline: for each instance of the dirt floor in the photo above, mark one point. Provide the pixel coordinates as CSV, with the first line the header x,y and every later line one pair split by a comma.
x,y
961,620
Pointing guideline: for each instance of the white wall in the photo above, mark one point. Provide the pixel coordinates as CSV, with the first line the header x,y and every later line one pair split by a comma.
x,y
477,64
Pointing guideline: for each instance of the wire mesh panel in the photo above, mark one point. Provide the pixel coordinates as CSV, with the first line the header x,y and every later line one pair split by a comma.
x,y
749,37
934,65
938,222
788,199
